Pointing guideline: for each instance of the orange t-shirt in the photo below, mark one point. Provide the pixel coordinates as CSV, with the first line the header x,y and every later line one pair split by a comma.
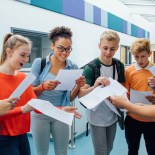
x,y
14,123
137,80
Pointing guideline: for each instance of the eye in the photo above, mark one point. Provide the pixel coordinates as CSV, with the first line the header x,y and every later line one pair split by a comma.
x,y
105,48
22,55
60,48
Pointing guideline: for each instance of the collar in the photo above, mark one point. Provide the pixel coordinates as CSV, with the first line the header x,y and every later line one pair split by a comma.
x,y
68,62
139,68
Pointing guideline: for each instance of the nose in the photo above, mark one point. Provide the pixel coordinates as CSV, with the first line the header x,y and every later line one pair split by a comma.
x,y
108,51
26,59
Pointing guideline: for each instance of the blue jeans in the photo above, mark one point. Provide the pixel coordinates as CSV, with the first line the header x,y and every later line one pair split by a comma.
x,y
14,145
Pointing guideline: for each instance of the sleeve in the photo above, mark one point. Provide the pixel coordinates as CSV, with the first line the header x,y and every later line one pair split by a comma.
x,y
35,69
29,94
89,75
12,113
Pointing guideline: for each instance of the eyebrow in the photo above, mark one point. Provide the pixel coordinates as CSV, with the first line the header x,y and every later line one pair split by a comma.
x,y
63,46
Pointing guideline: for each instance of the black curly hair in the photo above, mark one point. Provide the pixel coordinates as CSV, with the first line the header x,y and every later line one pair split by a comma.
x,y
60,32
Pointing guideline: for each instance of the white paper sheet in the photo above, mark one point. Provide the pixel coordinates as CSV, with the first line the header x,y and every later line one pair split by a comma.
x,y
67,78
139,96
116,87
152,70
48,109
95,97
100,93
111,106
23,86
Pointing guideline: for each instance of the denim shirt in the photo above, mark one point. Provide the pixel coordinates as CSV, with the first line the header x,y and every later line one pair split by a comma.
x,y
36,67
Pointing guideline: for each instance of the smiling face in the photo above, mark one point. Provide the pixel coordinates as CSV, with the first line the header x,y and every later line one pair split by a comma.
x,y
18,56
62,48
142,58
108,49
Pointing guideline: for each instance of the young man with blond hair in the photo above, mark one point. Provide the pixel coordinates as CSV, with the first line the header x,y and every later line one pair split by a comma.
x,y
137,80
101,119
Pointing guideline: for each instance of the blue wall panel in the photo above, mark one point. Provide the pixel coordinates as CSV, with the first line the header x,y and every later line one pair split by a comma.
x,y
52,5
26,1
73,8
141,33
90,13
115,23
104,18
97,15
133,30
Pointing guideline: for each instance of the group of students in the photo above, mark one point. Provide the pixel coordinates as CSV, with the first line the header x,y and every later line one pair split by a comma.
x,y
15,113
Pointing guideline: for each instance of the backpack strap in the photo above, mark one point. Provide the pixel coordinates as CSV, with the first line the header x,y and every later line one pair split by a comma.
x,y
95,66
43,63
120,70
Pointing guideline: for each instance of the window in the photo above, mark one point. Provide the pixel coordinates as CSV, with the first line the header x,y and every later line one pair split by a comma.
x,y
126,56
40,43
153,57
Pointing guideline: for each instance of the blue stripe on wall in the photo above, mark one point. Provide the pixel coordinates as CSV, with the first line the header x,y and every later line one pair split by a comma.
x,y
104,18
141,33
147,34
97,15
73,8
133,30
26,1
115,23
89,12
125,24
52,5
129,28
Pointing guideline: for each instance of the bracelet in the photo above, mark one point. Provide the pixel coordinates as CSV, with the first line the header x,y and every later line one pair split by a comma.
x,y
42,86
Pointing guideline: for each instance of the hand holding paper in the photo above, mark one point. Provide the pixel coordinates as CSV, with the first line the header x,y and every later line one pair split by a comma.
x,y
48,109
67,78
100,93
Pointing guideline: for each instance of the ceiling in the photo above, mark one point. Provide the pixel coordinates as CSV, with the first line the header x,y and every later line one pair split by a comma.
x,y
145,8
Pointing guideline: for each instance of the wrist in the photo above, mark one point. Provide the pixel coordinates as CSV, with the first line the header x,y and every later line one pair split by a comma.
x,y
42,86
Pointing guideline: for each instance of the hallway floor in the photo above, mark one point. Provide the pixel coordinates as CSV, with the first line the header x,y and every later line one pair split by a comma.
x,y
84,146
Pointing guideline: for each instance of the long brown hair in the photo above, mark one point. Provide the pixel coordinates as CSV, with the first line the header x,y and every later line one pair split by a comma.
x,y
12,41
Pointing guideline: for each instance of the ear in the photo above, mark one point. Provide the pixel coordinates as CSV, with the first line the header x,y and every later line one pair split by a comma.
x,y
52,46
150,53
99,45
9,51
117,48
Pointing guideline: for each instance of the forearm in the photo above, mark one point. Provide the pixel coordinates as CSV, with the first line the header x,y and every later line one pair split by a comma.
x,y
146,112
38,90
84,91
74,93
12,113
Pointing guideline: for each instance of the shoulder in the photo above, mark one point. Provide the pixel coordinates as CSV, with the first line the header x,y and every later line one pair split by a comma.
x,y
36,66
71,64
130,68
37,61
118,62
21,74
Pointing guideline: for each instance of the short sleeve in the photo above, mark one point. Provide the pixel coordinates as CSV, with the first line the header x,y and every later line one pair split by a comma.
x,y
89,75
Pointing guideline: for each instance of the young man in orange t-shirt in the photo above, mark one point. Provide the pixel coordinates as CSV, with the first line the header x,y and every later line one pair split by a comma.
x,y
137,80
